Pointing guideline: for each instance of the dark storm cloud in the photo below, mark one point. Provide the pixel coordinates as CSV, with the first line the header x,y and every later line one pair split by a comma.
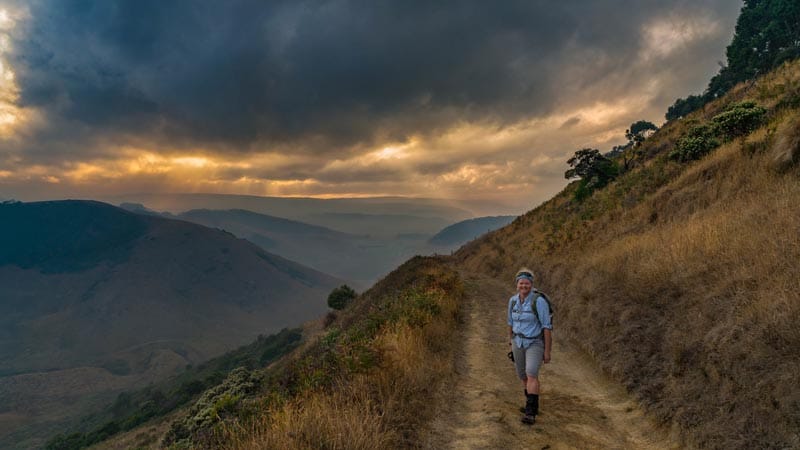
x,y
323,76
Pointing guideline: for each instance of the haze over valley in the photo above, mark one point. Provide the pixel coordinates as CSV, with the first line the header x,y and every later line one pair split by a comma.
x,y
373,237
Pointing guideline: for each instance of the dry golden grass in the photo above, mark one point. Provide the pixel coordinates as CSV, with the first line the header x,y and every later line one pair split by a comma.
x,y
688,293
382,408
343,419
786,151
709,302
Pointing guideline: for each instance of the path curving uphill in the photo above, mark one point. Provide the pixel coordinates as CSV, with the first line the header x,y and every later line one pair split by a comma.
x,y
580,407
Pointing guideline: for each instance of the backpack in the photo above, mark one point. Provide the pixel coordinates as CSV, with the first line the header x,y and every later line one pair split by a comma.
x,y
538,294
549,306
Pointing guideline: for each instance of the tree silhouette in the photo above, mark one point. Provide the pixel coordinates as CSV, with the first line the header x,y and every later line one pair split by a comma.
x,y
638,132
594,170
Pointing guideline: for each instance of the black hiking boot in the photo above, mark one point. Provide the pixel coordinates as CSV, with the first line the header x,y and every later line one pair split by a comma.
x,y
522,410
531,409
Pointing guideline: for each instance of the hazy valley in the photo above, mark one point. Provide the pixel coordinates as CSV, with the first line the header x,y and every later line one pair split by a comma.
x,y
97,299
373,244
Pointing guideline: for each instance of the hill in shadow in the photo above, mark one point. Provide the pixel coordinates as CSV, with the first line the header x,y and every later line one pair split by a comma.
x,y
90,291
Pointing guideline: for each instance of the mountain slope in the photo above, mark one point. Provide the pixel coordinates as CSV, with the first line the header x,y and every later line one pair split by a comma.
x,y
466,230
130,298
360,259
680,279
324,249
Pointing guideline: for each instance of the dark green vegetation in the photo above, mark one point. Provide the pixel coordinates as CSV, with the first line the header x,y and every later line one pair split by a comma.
x,y
341,297
131,409
594,170
96,300
638,132
736,120
767,35
65,236
467,230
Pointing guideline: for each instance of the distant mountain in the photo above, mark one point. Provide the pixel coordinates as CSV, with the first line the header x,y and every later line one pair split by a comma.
x,y
258,221
358,259
384,216
467,230
141,209
384,225
91,291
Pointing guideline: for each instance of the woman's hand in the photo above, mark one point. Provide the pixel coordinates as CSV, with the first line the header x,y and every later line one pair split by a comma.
x,y
546,358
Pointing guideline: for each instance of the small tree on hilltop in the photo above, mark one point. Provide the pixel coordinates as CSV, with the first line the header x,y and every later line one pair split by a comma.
x,y
636,134
639,131
341,297
594,170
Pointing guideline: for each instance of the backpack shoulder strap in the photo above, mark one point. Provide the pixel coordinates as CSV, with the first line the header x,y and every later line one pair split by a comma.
x,y
538,294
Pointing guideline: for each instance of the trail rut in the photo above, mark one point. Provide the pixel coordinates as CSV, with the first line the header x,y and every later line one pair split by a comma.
x,y
580,407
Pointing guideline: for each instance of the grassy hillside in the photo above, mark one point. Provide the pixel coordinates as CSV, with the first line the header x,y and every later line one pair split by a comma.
x,y
362,380
681,278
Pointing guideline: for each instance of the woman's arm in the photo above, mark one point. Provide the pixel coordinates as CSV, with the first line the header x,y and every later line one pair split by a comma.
x,y
510,324
548,342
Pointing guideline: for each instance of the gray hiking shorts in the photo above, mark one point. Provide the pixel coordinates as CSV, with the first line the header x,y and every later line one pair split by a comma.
x,y
528,360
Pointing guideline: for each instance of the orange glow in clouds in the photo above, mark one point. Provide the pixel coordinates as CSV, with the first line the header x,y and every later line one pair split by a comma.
x,y
11,116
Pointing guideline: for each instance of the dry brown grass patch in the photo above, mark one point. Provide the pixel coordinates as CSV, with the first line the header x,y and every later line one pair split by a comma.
x,y
786,151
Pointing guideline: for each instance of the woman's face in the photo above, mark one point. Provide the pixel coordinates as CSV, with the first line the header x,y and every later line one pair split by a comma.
x,y
524,286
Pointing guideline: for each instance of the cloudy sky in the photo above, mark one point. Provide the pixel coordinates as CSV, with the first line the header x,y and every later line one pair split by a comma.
x,y
448,99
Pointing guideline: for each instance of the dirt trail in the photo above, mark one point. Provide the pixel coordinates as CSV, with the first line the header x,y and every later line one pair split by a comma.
x,y
580,408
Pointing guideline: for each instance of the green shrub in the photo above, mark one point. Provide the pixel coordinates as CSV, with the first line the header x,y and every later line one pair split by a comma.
x,y
698,141
738,119
71,441
341,296
215,403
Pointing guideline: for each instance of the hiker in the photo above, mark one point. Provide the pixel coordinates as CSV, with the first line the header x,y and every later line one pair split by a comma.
x,y
530,338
